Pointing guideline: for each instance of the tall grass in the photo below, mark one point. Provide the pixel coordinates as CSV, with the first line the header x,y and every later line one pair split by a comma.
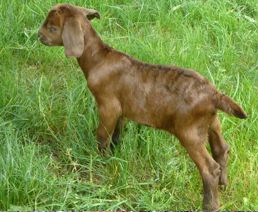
x,y
48,156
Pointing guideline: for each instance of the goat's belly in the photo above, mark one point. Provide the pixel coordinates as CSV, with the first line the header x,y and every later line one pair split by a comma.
x,y
155,108
142,120
155,119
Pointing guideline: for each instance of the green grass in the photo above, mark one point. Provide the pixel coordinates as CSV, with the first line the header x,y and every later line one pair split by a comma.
x,y
48,156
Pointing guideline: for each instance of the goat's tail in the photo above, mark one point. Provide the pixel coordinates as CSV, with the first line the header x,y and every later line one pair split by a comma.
x,y
227,105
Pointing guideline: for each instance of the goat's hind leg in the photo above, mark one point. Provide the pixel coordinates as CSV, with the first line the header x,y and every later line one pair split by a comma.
x,y
209,169
220,149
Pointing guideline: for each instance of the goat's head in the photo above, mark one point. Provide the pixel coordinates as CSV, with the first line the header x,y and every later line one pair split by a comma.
x,y
63,27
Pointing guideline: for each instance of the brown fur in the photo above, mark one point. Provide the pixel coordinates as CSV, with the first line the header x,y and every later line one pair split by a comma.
x,y
170,98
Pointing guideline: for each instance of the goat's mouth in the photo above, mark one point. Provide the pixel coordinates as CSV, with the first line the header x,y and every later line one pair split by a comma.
x,y
45,41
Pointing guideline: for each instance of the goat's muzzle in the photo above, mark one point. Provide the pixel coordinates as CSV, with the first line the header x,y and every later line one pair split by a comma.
x,y
43,39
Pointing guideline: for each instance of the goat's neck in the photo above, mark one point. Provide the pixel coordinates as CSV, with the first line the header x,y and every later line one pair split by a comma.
x,y
94,50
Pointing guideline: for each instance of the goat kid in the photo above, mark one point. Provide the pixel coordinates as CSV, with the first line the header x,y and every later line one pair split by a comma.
x,y
170,98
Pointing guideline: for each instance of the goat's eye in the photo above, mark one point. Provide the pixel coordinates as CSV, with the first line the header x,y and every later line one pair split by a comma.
x,y
52,29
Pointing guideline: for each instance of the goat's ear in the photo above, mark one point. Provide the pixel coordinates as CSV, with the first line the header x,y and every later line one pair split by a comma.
x,y
90,13
73,37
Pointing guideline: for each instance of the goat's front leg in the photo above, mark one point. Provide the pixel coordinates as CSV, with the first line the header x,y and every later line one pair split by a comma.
x,y
108,119
116,135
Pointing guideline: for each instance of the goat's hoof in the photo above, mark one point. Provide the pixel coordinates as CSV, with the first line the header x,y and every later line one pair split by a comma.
x,y
211,204
102,150
222,187
223,181
211,207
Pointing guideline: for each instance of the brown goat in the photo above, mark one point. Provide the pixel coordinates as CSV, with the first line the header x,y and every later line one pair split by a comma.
x,y
170,98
